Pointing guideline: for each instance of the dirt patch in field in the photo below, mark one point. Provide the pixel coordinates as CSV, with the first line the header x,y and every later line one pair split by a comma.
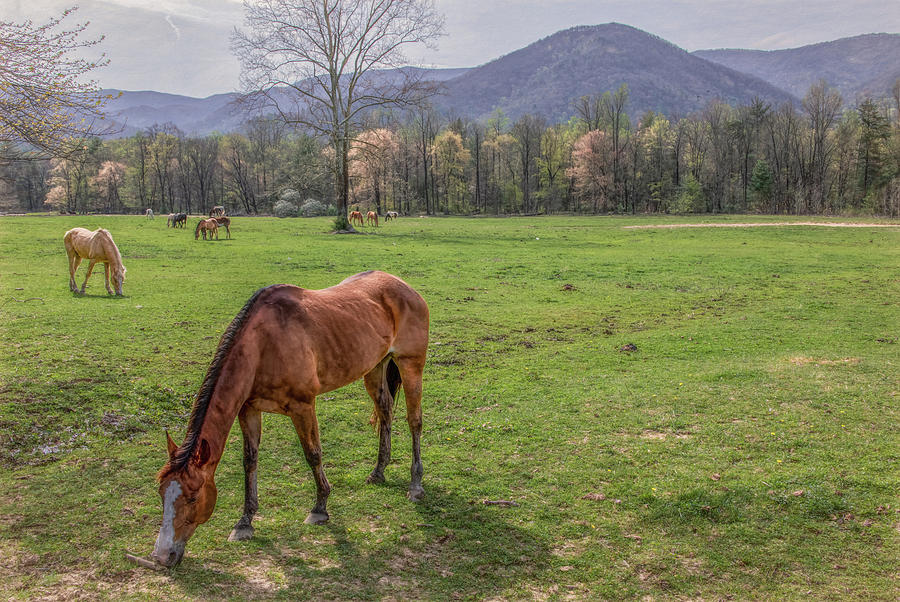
x,y
804,361
761,224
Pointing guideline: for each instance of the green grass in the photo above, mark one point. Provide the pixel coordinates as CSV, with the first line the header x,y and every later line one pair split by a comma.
x,y
747,449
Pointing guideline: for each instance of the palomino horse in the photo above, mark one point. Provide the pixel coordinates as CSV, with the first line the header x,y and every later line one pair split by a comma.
x,y
95,246
224,221
207,226
356,217
286,346
218,210
372,218
391,215
149,213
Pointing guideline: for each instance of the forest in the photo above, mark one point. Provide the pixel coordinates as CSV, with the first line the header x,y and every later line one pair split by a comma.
x,y
819,157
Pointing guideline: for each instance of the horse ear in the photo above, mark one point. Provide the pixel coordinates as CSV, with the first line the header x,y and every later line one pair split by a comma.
x,y
170,445
203,452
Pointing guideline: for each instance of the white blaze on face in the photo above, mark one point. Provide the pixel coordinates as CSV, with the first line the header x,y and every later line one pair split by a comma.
x,y
166,539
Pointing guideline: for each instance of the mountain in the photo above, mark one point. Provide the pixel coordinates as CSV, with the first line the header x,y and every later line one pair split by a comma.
x,y
858,66
136,111
548,76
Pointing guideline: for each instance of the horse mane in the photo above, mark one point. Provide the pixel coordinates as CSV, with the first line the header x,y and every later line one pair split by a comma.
x,y
201,403
109,246
197,229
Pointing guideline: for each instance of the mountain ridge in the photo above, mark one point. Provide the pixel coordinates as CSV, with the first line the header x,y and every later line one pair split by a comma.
x,y
549,75
866,64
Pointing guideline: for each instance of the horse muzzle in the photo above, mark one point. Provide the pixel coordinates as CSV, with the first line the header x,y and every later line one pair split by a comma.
x,y
168,556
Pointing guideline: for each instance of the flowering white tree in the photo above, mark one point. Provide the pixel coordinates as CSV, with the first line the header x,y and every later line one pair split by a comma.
x,y
45,104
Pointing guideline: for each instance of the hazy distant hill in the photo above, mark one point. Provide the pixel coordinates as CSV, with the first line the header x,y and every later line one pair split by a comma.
x,y
200,116
137,111
861,65
548,76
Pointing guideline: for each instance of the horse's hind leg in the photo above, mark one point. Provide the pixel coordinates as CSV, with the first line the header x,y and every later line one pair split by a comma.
x,y
308,430
381,385
251,427
74,262
411,374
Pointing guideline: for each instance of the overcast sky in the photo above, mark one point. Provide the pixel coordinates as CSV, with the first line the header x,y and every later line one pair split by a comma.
x,y
181,46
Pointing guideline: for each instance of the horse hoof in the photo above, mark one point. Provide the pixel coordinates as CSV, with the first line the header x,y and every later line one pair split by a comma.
x,y
415,494
375,478
241,533
316,518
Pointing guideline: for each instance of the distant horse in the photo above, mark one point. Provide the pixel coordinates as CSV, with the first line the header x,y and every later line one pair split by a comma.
x,y
180,219
218,210
356,217
285,347
170,221
391,215
372,218
95,246
224,221
149,213
205,226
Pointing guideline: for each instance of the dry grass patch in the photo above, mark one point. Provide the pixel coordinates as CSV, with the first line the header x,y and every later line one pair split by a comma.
x,y
805,361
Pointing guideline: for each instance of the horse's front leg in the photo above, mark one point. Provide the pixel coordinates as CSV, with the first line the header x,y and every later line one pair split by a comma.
x,y
106,273
307,427
251,426
90,269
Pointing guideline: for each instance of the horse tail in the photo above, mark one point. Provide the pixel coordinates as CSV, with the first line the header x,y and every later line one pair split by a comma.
x,y
392,378
197,230
390,381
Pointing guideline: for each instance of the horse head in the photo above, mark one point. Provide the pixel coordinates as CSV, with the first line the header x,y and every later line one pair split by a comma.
x,y
119,279
188,495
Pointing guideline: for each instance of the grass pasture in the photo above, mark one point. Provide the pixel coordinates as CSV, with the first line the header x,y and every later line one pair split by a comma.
x,y
747,449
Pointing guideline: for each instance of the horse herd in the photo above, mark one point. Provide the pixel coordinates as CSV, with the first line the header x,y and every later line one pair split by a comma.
x,y
283,349
98,246
356,217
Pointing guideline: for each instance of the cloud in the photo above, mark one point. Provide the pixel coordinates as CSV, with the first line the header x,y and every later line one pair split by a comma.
x,y
197,61
177,31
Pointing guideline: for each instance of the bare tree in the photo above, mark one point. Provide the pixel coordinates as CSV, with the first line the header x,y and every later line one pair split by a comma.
x,y
45,104
527,132
313,60
202,156
822,106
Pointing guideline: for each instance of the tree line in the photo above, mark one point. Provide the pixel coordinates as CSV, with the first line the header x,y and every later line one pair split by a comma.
x,y
820,157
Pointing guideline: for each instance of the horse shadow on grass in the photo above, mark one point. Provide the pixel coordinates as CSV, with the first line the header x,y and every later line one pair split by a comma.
x,y
456,550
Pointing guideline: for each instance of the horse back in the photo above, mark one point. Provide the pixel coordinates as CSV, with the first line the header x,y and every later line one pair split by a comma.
x,y
80,241
336,335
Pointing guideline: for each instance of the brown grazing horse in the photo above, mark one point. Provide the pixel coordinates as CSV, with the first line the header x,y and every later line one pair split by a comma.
x,y
96,246
372,218
286,346
356,217
224,221
205,226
